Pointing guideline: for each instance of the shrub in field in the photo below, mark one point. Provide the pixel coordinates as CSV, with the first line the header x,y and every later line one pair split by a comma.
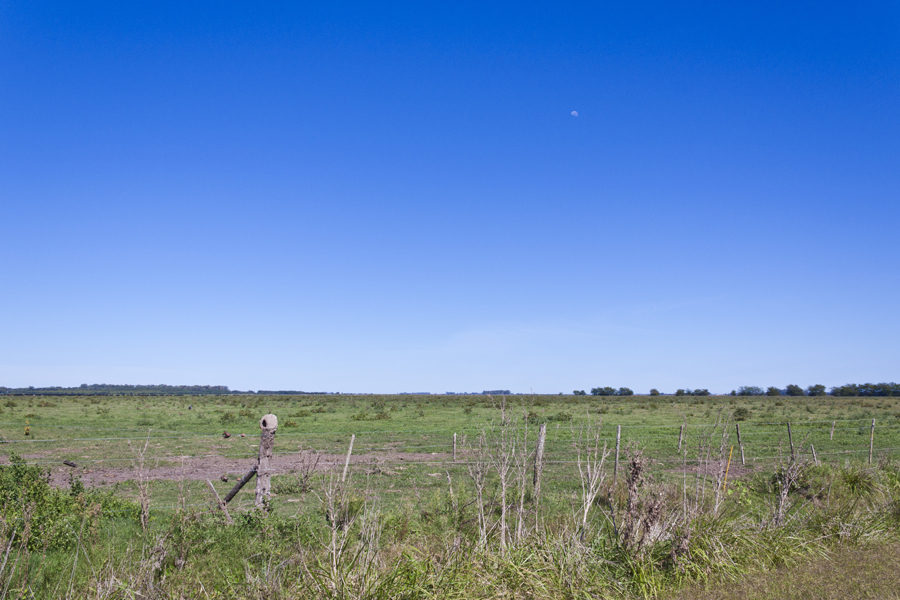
x,y
370,416
41,516
560,417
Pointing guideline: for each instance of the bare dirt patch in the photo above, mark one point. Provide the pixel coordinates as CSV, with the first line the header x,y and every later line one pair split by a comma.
x,y
215,467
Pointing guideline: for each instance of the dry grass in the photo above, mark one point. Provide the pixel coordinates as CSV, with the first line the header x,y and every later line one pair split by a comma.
x,y
848,573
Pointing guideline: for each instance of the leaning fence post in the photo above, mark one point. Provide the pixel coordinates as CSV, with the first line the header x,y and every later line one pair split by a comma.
x,y
871,441
791,440
220,502
618,439
237,487
539,461
680,437
831,437
347,461
815,458
267,425
737,427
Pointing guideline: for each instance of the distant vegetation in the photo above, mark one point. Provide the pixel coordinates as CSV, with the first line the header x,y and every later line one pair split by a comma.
x,y
104,389
850,389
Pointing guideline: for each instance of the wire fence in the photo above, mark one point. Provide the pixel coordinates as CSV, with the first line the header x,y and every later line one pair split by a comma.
x,y
667,444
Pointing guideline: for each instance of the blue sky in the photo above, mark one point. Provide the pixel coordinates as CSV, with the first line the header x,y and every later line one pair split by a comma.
x,y
396,196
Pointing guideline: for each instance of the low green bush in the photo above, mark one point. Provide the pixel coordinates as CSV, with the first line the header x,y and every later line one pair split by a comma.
x,y
42,516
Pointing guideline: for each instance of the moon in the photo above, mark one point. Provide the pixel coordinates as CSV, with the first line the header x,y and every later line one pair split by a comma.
x,y
574,113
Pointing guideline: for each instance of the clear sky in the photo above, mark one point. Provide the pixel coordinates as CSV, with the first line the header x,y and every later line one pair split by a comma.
x,y
395,196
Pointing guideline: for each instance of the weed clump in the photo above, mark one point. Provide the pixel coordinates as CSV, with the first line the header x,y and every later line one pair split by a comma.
x,y
43,517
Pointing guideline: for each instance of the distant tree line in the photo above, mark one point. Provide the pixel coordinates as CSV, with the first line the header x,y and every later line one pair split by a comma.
x,y
281,393
850,389
606,391
690,392
106,389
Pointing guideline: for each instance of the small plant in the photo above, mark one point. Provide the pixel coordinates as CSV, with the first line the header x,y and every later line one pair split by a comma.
x,y
741,413
290,485
860,483
367,416
560,417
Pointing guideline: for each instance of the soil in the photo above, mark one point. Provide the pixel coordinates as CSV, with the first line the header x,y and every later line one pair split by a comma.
x,y
216,467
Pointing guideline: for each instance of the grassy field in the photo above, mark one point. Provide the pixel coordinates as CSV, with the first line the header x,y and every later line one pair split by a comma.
x,y
417,523
862,573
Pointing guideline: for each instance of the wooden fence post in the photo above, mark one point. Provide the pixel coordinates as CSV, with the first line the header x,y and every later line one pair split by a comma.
x,y
831,437
737,427
680,437
616,467
347,461
454,446
267,425
791,440
871,441
815,458
539,461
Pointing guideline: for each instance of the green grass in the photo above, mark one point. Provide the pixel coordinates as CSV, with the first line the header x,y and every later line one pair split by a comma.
x,y
427,540
414,422
100,432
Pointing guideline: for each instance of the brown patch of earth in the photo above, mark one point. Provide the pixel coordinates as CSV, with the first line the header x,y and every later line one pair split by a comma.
x,y
215,467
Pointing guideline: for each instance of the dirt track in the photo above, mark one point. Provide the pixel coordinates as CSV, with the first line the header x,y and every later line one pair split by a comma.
x,y
214,467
